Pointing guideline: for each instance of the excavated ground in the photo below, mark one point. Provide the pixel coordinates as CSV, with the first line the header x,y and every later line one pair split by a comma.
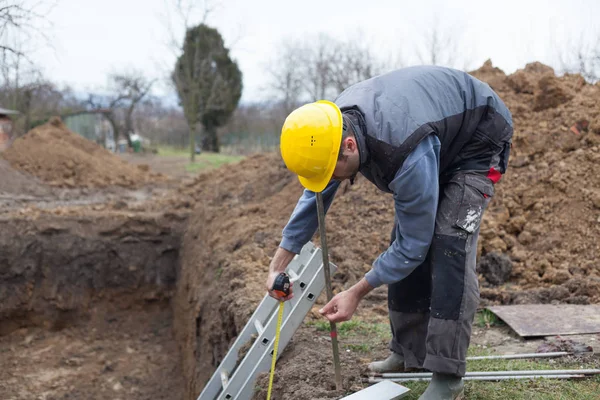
x,y
103,289
85,304
539,236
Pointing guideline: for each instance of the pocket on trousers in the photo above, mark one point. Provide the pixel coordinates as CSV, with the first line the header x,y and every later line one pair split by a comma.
x,y
448,276
477,192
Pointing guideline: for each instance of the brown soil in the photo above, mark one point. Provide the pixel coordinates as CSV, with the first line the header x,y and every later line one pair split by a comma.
x,y
83,285
62,158
57,267
85,305
116,354
15,184
545,214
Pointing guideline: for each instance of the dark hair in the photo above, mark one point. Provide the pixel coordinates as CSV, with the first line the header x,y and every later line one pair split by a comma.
x,y
348,130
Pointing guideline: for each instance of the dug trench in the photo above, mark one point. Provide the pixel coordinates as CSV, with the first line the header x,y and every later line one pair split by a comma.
x,y
139,301
529,242
84,305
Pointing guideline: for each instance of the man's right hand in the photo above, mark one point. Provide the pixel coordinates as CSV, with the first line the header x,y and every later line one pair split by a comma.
x,y
280,261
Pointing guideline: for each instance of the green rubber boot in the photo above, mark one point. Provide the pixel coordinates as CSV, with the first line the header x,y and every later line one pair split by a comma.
x,y
444,387
394,363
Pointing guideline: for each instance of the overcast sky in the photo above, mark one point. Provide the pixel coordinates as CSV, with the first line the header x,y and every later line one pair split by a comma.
x,y
93,38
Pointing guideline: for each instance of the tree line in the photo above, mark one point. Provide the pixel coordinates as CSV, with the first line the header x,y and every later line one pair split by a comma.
x,y
208,82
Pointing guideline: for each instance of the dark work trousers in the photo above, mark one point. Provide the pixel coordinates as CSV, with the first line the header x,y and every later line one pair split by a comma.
x,y
432,309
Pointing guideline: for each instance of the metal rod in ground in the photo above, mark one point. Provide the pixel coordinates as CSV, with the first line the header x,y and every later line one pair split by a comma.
x,y
525,355
499,373
333,329
486,378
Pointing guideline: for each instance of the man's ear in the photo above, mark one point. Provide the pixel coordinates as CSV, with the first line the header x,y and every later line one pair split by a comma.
x,y
350,144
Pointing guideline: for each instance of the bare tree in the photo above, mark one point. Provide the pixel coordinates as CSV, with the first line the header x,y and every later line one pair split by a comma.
x,y
131,88
317,55
438,49
582,57
320,67
22,23
442,45
286,76
128,90
15,16
353,61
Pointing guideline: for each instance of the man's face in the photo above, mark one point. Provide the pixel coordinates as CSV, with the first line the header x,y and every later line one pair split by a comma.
x,y
342,170
347,166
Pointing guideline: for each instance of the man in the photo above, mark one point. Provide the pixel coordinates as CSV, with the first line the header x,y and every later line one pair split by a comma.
x,y
437,139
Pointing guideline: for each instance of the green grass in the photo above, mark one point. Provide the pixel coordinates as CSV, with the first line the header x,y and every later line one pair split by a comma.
x,y
538,389
364,337
355,328
202,161
211,160
171,151
485,318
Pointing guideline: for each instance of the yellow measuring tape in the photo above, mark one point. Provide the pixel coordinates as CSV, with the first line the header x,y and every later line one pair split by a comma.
x,y
275,347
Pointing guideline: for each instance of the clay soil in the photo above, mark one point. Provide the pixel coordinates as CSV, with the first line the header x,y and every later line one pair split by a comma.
x,y
544,219
86,277
126,286
115,354
84,305
62,158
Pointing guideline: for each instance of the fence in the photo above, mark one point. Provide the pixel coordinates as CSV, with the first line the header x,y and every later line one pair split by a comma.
x,y
249,143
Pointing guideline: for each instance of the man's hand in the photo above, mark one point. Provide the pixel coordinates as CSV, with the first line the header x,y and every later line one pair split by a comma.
x,y
341,307
280,261
344,304
270,280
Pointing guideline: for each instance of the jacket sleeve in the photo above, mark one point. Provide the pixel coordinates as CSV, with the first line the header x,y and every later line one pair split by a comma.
x,y
304,222
416,193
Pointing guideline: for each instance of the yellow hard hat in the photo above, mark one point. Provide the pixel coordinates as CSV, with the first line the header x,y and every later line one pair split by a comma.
x,y
310,143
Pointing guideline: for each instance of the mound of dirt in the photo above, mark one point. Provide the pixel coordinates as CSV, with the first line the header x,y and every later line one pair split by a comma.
x,y
62,158
545,217
14,183
546,211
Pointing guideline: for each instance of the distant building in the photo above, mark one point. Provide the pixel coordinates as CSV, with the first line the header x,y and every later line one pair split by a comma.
x,y
6,127
93,125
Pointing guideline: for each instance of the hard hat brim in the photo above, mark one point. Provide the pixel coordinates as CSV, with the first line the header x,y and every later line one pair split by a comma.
x,y
319,183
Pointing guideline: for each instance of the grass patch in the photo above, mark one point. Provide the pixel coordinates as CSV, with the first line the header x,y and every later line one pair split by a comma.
x,y
171,151
363,337
211,160
202,161
355,327
485,318
359,348
538,389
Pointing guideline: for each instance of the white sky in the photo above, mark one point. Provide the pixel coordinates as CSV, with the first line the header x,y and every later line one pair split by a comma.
x,y
94,38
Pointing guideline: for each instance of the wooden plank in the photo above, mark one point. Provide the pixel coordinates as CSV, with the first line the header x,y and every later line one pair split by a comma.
x,y
385,390
550,319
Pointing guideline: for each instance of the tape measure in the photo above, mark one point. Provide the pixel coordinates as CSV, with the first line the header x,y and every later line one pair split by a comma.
x,y
281,287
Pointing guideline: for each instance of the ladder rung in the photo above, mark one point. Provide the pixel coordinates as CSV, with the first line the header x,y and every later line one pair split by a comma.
x,y
259,327
224,378
234,378
293,276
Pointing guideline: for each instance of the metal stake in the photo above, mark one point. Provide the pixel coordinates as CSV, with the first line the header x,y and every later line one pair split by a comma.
x,y
525,355
499,373
487,378
333,329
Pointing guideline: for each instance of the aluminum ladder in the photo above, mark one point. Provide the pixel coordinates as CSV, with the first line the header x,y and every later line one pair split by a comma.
x,y
236,381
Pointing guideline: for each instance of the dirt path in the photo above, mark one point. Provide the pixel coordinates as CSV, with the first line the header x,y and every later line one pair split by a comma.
x,y
173,166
